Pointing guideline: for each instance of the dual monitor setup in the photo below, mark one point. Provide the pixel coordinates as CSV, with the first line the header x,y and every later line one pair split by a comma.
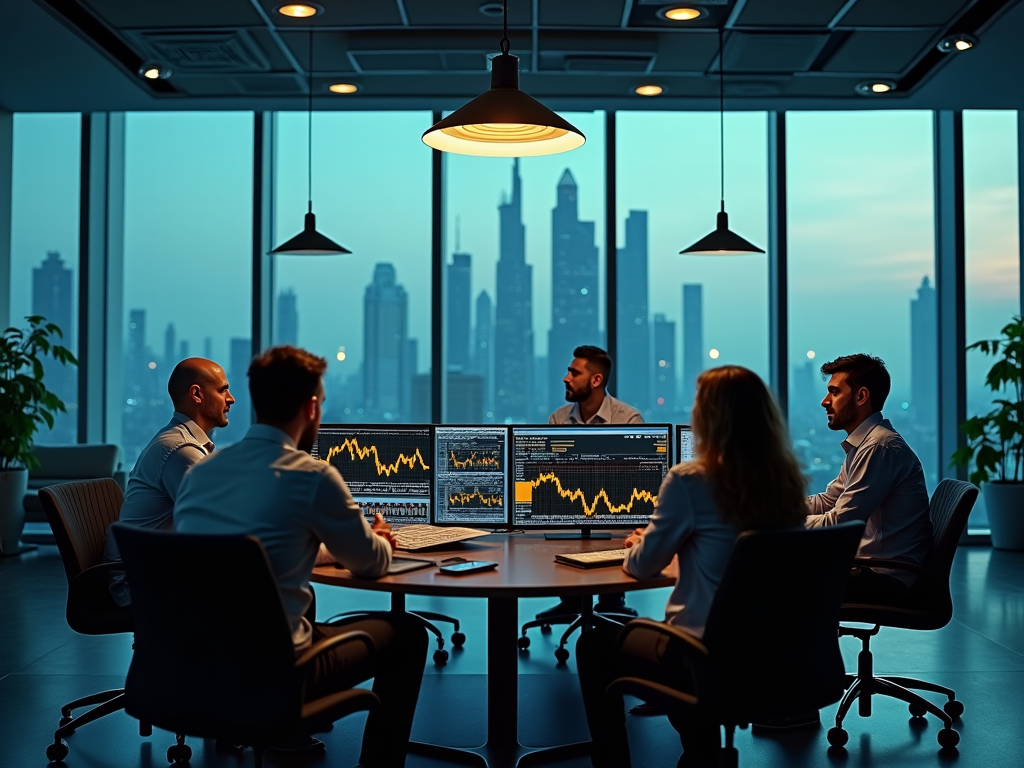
x,y
500,476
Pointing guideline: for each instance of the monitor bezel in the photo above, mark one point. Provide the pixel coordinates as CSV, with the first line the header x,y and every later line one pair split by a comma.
x,y
508,477
582,525
679,441
430,431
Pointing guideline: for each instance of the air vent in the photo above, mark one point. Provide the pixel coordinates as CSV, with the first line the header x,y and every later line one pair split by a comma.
x,y
220,51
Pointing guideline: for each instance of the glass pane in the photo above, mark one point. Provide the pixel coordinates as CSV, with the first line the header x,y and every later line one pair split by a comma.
x,y
861,272
187,261
678,315
44,245
992,244
368,313
530,234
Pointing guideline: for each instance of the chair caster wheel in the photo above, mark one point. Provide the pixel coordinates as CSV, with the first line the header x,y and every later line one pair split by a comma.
x,y
440,657
953,708
948,738
545,629
916,710
562,655
57,751
179,753
523,643
64,721
145,729
458,639
837,737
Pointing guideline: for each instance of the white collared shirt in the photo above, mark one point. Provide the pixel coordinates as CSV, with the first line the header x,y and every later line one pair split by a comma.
x,y
612,411
882,483
264,486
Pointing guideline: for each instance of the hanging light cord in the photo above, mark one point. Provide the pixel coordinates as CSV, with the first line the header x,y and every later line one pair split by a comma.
x,y
506,44
721,116
309,124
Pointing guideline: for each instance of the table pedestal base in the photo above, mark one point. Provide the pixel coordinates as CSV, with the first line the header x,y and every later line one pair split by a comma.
x,y
493,756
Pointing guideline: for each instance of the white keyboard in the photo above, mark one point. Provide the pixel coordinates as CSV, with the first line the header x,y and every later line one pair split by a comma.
x,y
598,559
423,536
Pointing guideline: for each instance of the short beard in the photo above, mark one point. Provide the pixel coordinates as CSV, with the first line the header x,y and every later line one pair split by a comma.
x,y
572,396
843,417
308,437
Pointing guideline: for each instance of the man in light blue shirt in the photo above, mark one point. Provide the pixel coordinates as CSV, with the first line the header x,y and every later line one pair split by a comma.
x,y
268,486
202,399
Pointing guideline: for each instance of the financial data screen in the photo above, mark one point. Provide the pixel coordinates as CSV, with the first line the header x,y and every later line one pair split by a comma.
x,y
685,445
588,475
470,475
388,469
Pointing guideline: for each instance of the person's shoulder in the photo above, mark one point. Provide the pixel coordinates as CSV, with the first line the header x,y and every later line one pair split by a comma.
x,y
560,415
688,472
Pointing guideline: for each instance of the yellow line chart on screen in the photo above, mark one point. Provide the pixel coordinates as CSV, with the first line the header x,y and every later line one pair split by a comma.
x,y
577,494
355,451
475,461
465,499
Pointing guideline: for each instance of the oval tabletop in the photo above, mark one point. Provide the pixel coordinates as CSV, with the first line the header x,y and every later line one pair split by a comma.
x,y
526,568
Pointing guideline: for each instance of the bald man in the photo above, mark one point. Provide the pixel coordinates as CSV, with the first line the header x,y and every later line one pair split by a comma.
x,y
201,398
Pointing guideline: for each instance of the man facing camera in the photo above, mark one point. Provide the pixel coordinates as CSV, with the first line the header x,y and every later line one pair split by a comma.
x,y
199,392
268,486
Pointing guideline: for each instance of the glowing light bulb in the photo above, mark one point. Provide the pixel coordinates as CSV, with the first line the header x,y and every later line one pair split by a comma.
x,y
713,354
343,88
682,14
649,90
298,10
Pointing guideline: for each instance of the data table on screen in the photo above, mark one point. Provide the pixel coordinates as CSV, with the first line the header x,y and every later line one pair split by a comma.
x,y
470,475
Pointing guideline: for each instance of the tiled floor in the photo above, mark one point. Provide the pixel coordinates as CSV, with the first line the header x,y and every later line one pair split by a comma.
x,y
980,653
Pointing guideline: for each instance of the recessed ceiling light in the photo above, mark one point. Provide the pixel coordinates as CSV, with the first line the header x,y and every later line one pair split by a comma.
x,y
153,70
300,10
649,90
343,88
491,10
956,43
875,87
681,13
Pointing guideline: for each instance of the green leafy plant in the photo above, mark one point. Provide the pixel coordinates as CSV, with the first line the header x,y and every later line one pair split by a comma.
x,y
995,440
25,402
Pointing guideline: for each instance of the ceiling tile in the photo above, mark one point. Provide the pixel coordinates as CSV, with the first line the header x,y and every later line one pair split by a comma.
x,y
689,52
573,13
176,13
341,13
789,13
460,13
879,53
330,50
901,13
771,52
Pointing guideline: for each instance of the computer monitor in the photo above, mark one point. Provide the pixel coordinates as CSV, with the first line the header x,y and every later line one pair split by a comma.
x,y
471,475
388,468
588,476
685,444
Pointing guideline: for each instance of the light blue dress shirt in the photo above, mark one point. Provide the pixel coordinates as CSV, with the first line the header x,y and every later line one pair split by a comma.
x,y
612,411
265,487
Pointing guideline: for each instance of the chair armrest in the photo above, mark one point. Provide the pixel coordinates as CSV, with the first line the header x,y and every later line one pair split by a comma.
x,y
692,646
896,565
332,642
651,692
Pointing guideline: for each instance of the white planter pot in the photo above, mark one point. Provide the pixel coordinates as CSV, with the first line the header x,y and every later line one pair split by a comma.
x,y
1004,503
13,485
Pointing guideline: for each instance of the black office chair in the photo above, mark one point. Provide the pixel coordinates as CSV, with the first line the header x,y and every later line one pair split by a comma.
x,y
930,606
770,647
79,515
213,649
582,620
427,618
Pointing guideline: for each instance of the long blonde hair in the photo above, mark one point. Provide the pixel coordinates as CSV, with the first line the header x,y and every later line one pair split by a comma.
x,y
745,450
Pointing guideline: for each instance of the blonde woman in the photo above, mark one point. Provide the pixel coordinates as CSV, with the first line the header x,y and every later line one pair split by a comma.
x,y
746,477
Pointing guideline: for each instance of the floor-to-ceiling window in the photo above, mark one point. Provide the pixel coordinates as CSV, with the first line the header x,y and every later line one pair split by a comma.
x,y
369,312
992,247
187,261
524,250
678,315
861,230
44,245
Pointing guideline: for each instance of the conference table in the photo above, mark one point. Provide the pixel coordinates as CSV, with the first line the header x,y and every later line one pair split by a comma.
x,y
526,568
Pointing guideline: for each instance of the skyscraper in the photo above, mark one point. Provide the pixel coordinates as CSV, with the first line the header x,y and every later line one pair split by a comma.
x,y
924,366
693,342
458,308
664,369
385,348
513,323
144,389
287,318
240,417
633,366
170,348
53,298
482,347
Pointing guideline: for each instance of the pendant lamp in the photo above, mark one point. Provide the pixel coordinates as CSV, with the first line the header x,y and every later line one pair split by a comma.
x,y
504,121
309,242
722,241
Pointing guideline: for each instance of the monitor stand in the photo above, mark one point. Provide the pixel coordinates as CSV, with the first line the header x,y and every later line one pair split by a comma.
x,y
585,532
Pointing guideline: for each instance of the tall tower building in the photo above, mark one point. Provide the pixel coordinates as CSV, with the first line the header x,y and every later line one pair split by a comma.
x,y
458,306
287,318
924,368
574,283
633,363
513,322
664,369
53,298
385,347
170,348
693,342
482,347
240,417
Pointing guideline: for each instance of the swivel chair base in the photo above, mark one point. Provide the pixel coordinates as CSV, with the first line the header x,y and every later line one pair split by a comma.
x,y
865,684
427,618
107,702
583,621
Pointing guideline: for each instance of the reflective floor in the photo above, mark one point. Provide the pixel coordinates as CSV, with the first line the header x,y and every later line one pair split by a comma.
x,y
980,654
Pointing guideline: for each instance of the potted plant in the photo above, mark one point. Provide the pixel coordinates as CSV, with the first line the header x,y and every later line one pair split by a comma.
x,y
25,404
995,440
